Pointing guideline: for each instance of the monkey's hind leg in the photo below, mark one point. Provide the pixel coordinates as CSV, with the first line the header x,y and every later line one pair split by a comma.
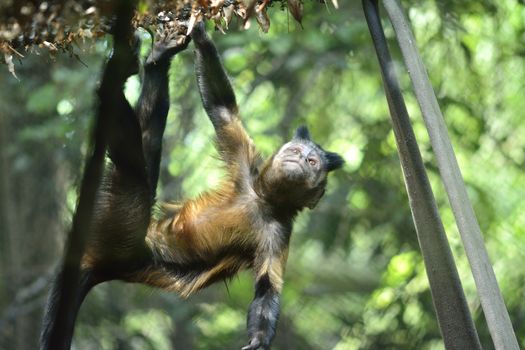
x,y
123,205
128,193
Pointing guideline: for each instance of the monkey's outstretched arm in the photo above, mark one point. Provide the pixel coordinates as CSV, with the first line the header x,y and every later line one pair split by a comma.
x,y
216,91
265,307
234,144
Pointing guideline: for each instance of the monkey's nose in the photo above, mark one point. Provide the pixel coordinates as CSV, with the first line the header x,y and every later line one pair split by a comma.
x,y
305,153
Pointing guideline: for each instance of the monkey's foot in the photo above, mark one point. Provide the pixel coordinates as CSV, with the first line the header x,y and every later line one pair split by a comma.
x,y
168,43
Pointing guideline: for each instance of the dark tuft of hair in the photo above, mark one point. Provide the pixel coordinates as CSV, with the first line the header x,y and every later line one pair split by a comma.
x,y
302,133
333,161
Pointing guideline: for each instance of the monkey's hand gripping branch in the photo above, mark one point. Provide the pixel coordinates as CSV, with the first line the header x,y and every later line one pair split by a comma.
x,y
234,145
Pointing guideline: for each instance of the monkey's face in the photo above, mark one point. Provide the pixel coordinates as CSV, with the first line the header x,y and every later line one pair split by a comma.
x,y
299,169
300,163
302,160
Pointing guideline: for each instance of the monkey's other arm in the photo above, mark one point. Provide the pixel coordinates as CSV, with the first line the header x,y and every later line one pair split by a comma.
x,y
264,310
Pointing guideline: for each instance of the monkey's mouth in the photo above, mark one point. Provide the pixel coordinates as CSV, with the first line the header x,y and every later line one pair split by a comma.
x,y
291,161
293,169
288,159
295,163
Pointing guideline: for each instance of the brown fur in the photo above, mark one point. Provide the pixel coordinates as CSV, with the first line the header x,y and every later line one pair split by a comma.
x,y
201,232
245,222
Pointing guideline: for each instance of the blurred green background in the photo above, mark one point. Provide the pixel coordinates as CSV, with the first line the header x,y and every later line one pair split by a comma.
x,y
355,278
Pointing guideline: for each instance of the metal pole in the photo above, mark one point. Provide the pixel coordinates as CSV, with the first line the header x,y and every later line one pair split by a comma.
x,y
453,315
496,314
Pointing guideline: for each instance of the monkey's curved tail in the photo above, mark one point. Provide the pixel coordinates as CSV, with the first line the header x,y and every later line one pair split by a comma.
x,y
51,337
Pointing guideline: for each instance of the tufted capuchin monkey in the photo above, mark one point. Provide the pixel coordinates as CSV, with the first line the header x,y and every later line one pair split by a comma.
x,y
245,223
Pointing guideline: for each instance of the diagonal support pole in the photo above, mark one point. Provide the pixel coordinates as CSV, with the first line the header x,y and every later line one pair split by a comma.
x,y
452,311
496,314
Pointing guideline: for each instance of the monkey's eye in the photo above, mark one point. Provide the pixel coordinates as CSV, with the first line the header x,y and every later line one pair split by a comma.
x,y
312,161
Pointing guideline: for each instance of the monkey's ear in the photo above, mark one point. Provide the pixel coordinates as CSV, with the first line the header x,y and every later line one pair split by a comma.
x,y
302,133
334,161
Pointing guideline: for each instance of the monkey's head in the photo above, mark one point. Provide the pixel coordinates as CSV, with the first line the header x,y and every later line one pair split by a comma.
x,y
297,173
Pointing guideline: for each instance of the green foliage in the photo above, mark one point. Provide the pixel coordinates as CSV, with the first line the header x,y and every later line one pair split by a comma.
x,y
355,277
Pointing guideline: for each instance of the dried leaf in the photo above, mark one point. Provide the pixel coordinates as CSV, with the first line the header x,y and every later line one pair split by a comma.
x,y
219,26
250,10
162,17
91,10
228,14
296,9
50,46
10,65
263,4
240,10
216,6
195,17
14,51
263,20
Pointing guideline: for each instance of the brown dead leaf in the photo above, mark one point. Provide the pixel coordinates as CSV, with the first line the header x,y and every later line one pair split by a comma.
x,y
250,10
91,10
50,46
10,65
263,20
228,14
296,9
216,6
220,26
196,16
240,10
